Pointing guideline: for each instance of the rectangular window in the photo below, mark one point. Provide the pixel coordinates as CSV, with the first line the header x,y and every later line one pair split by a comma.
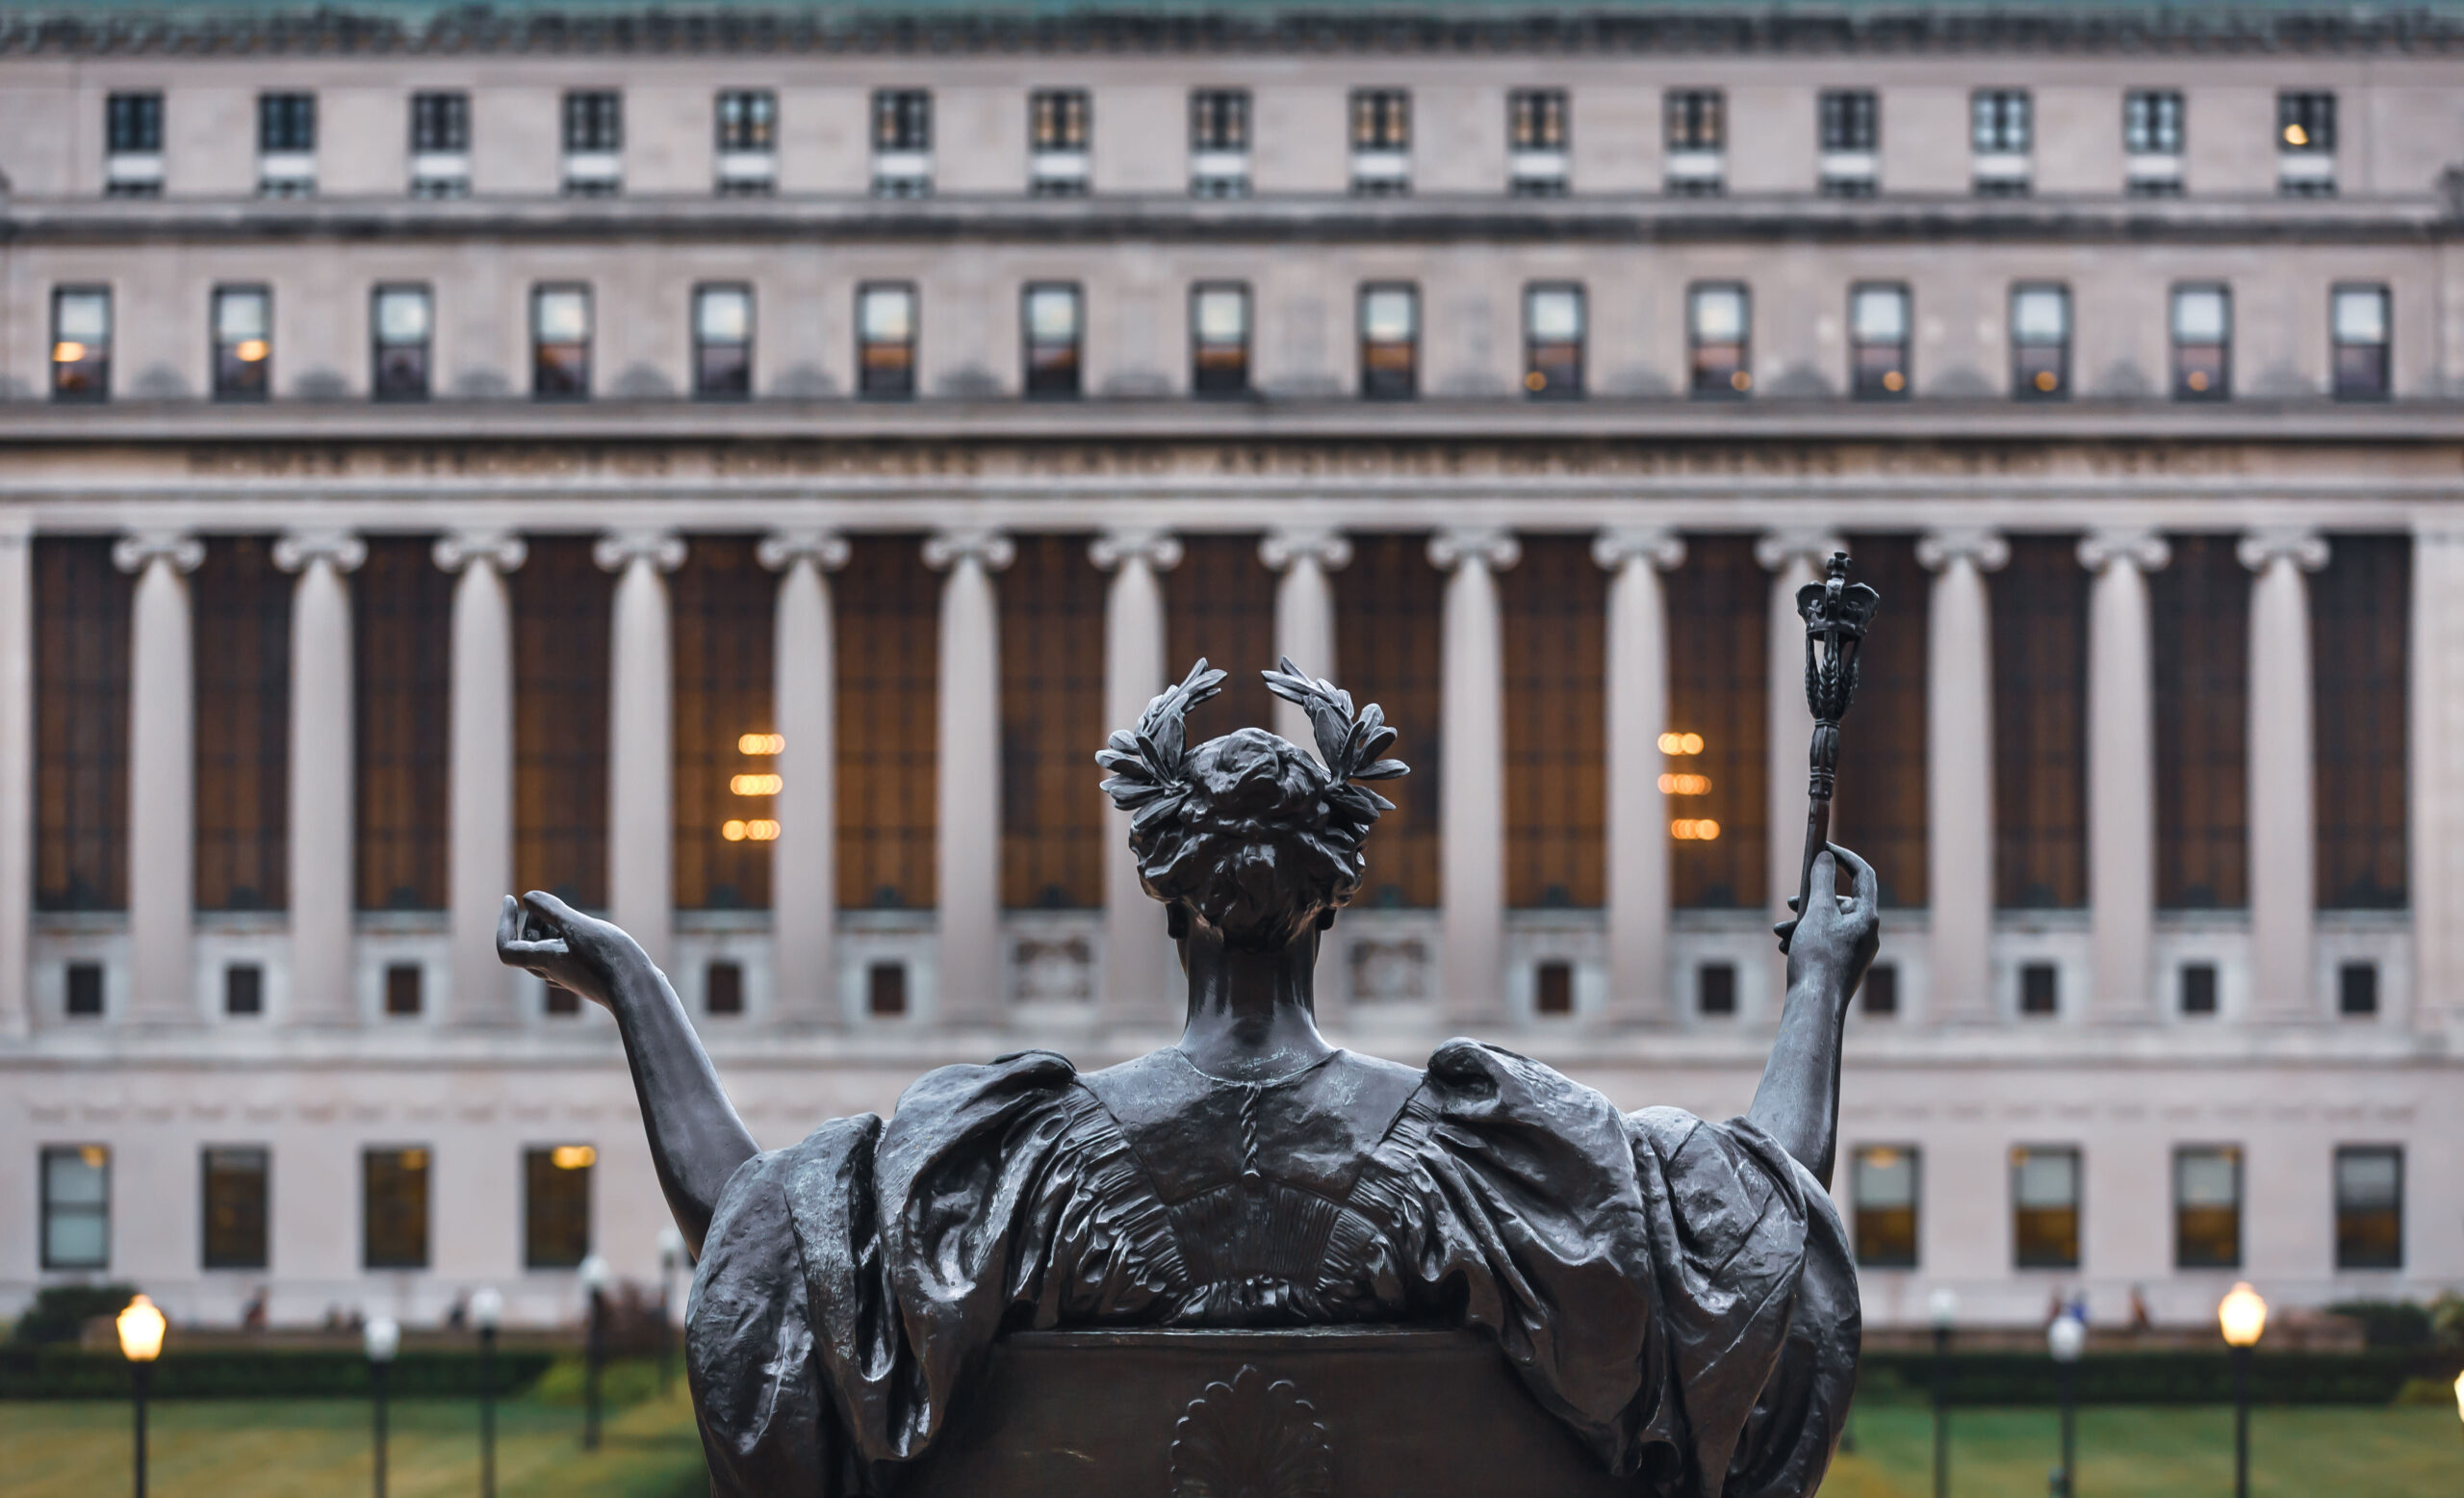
x,y
559,1002
1552,337
747,122
2045,1209
2370,1206
723,342
2041,343
1878,342
1552,989
886,990
1220,339
1694,123
594,142
286,144
1220,142
1389,342
2202,325
1715,990
243,988
2207,1207
81,343
2358,324
1719,322
902,142
441,144
84,999
2357,989
2039,988
1883,1186
236,1195
133,135
242,343
886,341
1053,322
1057,136
393,1221
1537,141
1851,126
1381,142
404,997
400,319
560,343
1878,997
76,1207
2151,142
2000,137
2198,988
556,1205
723,988
2305,129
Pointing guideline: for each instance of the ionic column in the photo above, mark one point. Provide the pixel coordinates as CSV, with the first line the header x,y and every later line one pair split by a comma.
x,y
2283,836
17,774
2434,776
641,787
803,863
478,871
968,776
2121,769
1304,612
1638,978
162,776
1138,958
1470,789
1959,758
1793,558
323,812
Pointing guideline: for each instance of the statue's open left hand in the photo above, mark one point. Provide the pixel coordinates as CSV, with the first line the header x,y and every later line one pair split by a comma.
x,y
542,935
1834,942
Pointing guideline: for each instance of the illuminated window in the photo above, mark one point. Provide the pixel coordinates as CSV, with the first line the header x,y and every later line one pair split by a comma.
x,y
556,1205
1220,142
1882,1185
2358,324
394,1208
1056,138
1536,143
1553,338
1389,342
1715,990
723,342
235,1198
286,144
1851,129
1719,663
2370,1206
1054,323
886,341
2041,343
1695,126
722,611
81,343
1878,341
560,343
242,343
76,1207
2202,325
2305,143
1718,327
2045,1209
1220,339
1381,142
401,321
2001,135
2207,1208
2151,142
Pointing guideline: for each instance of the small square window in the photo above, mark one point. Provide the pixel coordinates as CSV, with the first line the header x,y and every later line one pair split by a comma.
x,y
2039,988
243,988
748,119
85,995
404,983
1553,989
2357,989
594,121
285,123
440,122
886,989
133,124
1999,123
723,988
1851,119
1696,119
2151,123
1715,990
1879,996
2198,987
1537,119
902,120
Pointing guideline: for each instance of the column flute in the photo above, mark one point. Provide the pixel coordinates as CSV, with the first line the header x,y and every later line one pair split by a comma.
x,y
1836,612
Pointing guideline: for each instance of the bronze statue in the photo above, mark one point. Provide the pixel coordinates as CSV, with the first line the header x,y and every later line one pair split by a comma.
x,y
1679,1293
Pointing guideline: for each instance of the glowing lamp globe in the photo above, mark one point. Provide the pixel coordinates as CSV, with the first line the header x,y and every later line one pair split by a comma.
x,y
2243,1315
384,1339
140,1330
1943,1306
2460,1396
487,1308
595,1273
2067,1339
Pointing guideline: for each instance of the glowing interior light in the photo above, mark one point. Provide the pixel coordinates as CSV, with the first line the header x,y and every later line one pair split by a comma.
x,y
1681,743
95,1157
756,785
573,1157
1685,785
1741,380
66,353
761,743
732,831
761,831
1693,829
2294,135
2046,380
1535,380
1894,381
251,351
2198,380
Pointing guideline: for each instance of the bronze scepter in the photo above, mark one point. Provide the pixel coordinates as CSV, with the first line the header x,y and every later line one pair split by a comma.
x,y
1836,612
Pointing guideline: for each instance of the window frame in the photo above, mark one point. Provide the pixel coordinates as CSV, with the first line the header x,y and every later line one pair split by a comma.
x,y
735,385
425,1167
1386,377
440,122
2382,382
1539,355
540,382
2184,1233
53,1209
1878,387
1996,127
744,135
1211,111
63,389
2026,376
591,121
1539,120
1039,379
379,388
2160,118
141,110
868,386
2191,379
1226,381
899,114
2300,108
289,114
1735,380
1694,119
539,1162
1848,119
1858,1210
2020,1254
238,379
2348,1261
260,1233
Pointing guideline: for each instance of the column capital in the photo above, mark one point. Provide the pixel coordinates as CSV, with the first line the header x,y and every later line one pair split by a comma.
x,y
991,550
781,550
1158,550
140,551
296,551
618,550
2305,548
1985,550
1775,549
1662,548
501,550
2144,550
1494,547
1331,549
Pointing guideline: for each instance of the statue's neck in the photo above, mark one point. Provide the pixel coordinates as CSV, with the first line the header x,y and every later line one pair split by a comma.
x,y
1252,1015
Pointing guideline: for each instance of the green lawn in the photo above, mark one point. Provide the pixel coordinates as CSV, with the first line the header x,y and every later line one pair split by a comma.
x,y
2144,1452
320,1449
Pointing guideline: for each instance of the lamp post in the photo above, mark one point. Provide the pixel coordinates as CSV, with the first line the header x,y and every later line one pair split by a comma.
x,y
141,1327
594,1284
2243,1316
1942,1307
2066,1339
487,1313
384,1339
671,1252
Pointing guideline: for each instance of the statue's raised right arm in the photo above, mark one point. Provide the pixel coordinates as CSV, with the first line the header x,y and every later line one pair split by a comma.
x,y
1798,1102
696,1141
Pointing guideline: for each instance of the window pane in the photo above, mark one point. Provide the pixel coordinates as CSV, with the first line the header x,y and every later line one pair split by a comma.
x,y
394,1208
2039,315
1052,313
562,316
2367,1178
84,317
402,315
1555,314
1719,314
1222,315
76,1207
2200,315
2047,1178
240,314
1879,314
1388,314
235,1208
888,313
555,1182
1883,1187
2361,316
77,1178
724,315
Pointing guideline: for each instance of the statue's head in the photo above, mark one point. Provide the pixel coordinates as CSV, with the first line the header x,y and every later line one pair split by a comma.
x,y
1249,833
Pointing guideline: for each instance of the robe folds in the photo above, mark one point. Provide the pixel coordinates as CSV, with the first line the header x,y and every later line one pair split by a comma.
x,y
1679,1292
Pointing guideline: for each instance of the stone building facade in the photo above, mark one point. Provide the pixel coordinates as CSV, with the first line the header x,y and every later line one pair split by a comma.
x,y
733,468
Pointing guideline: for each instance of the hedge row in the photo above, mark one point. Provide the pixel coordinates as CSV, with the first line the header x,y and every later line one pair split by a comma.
x,y
67,1373
2153,1378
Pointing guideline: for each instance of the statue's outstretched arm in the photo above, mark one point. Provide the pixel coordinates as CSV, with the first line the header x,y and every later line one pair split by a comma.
x,y
1798,1102
696,1139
